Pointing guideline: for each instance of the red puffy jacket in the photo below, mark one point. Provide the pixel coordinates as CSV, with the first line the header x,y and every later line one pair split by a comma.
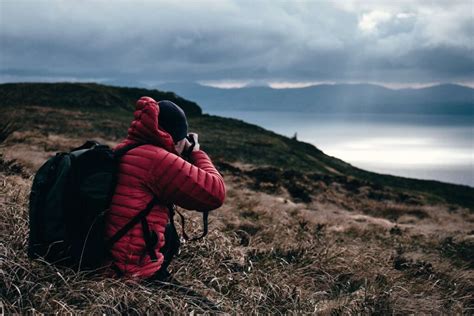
x,y
157,170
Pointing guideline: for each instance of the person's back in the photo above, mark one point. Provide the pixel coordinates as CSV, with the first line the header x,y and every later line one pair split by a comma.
x,y
156,169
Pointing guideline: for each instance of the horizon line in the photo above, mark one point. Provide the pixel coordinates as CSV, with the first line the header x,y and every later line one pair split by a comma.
x,y
302,85
227,85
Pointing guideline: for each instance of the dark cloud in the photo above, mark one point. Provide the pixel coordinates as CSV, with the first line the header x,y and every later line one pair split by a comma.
x,y
153,41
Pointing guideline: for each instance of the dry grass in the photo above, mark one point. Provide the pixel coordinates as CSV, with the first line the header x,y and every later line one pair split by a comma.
x,y
262,256
328,248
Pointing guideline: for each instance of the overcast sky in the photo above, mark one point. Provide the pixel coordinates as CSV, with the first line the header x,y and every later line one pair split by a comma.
x,y
227,43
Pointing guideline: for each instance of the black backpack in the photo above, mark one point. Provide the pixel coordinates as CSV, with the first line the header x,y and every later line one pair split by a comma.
x,y
69,198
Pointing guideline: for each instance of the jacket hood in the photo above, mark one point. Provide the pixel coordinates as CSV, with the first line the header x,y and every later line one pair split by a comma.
x,y
145,128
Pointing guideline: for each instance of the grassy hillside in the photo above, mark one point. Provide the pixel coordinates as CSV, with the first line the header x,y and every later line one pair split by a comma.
x,y
300,232
105,111
84,95
234,140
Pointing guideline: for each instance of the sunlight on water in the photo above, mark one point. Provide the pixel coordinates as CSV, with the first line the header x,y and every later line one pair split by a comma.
x,y
400,151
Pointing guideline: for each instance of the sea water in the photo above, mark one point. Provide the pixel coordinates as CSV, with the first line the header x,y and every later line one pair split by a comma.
x,y
436,147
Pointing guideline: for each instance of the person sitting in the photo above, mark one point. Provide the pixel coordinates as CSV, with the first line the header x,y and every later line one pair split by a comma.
x,y
167,169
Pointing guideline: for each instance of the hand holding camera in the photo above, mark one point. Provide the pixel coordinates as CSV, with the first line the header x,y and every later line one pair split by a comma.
x,y
191,143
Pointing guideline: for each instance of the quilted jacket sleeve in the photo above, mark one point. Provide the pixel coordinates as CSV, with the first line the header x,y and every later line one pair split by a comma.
x,y
194,186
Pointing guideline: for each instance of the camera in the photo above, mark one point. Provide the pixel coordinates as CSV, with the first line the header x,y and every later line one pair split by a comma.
x,y
191,140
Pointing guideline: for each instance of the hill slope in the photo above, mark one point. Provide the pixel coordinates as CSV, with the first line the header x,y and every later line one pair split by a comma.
x,y
84,95
300,232
226,139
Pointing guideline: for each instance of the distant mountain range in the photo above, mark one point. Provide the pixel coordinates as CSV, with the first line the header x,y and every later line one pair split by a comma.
x,y
331,98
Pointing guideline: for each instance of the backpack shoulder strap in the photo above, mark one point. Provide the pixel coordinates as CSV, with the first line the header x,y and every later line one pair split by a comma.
x,y
122,151
137,218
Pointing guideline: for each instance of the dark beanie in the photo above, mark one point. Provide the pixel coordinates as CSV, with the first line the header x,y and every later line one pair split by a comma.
x,y
173,120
